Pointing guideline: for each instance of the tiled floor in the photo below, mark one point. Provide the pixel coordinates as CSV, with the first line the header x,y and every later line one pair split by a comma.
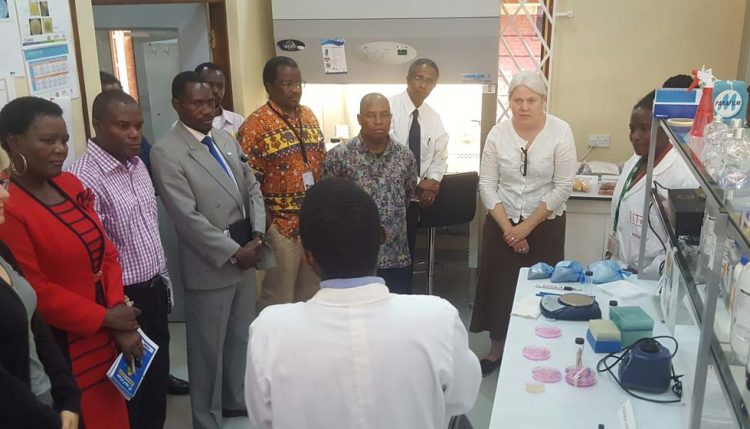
x,y
452,281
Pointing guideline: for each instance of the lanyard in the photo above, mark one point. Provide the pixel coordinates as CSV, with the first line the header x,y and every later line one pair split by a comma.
x,y
297,133
628,185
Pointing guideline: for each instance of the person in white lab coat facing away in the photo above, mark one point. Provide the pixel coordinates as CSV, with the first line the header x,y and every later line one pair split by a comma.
x,y
355,355
670,172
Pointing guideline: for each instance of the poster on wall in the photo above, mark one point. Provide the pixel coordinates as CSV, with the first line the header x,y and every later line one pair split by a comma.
x,y
43,21
334,56
46,36
51,71
10,47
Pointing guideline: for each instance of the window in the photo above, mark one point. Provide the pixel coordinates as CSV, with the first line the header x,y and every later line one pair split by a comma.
x,y
526,28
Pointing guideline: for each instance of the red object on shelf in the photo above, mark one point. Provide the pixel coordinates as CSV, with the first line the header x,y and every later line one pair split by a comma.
x,y
705,112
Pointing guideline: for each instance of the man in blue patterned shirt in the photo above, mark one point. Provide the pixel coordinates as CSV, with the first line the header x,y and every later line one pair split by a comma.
x,y
388,172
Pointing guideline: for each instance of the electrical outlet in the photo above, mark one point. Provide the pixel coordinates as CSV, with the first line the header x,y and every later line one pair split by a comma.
x,y
599,140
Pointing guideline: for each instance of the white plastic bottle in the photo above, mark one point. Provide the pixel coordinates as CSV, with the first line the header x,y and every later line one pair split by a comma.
x,y
740,330
734,280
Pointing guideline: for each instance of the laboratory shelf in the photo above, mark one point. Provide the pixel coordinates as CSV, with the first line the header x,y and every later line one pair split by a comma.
x,y
700,266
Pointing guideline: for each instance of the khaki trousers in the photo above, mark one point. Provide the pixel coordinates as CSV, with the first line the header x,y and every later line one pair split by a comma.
x,y
291,280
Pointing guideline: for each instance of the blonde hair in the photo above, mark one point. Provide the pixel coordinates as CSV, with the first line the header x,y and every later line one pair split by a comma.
x,y
529,79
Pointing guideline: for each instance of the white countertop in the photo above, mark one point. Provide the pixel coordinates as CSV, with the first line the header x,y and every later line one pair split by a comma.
x,y
565,406
590,196
593,193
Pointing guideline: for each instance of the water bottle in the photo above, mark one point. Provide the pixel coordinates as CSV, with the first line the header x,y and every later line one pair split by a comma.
x,y
734,174
713,150
740,330
735,280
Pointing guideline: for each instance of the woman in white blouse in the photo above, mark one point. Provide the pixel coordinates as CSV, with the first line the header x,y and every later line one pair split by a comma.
x,y
526,176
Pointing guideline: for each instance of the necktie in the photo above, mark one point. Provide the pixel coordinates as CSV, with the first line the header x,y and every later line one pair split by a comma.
x,y
215,153
415,138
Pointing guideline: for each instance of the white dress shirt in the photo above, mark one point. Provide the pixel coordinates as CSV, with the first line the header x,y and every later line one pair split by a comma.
x,y
229,122
434,149
359,357
551,169
200,136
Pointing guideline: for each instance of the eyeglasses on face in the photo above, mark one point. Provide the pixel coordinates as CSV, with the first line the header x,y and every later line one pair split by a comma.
x,y
524,160
293,84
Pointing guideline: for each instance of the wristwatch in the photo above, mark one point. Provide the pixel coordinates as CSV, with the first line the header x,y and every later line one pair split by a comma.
x,y
233,260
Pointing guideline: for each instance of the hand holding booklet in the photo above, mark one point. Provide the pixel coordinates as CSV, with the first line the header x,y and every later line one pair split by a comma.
x,y
126,376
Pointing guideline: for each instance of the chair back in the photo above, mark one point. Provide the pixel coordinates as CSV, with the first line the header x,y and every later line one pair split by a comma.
x,y
455,203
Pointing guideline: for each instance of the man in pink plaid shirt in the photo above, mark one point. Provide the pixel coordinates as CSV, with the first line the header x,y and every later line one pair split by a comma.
x,y
126,204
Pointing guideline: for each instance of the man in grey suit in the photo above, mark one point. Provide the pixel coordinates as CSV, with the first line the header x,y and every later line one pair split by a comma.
x,y
208,192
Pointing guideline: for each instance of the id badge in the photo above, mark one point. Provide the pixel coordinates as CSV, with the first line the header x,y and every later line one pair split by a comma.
x,y
613,246
307,179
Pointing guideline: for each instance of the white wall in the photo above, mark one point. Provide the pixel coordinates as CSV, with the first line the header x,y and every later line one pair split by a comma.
x,y
191,21
348,9
612,53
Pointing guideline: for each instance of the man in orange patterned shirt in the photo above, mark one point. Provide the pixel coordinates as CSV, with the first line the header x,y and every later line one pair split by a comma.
x,y
284,144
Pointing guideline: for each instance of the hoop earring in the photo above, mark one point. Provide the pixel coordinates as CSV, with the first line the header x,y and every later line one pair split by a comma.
x,y
13,165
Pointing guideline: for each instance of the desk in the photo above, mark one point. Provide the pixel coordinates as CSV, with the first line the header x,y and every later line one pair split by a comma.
x,y
565,406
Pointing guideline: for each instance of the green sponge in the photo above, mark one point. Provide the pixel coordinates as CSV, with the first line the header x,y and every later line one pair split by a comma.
x,y
634,323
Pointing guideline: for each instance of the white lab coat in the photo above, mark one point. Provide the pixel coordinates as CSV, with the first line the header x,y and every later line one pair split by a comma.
x,y
359,358
671,172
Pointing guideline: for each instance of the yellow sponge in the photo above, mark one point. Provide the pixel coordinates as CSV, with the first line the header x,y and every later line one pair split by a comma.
x,y
604,330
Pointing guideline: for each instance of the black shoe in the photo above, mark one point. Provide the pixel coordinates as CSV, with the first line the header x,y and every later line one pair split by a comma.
x,y
489,366
233,413
177,386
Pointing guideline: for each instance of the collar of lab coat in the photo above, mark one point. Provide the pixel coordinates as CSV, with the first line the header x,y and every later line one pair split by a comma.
x,y
366,294
660,168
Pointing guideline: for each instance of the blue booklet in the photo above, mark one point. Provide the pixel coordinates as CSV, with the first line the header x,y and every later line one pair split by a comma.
x,y
125,375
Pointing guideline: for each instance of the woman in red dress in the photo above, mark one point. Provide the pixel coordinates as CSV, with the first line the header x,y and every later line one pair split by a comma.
x,y
58,240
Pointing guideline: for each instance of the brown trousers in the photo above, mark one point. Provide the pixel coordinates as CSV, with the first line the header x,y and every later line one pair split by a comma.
x,y
498,271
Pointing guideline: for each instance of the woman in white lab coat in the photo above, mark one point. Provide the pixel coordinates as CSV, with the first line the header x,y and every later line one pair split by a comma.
x,y
670,172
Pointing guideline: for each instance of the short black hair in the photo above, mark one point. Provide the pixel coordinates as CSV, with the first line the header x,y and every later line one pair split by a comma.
x,y
647,102
108,79
100,108
208,66
270,70
678,81
16,117
340,224
180,82
422,62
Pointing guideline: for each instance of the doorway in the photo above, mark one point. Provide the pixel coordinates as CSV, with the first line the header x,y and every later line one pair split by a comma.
x,y
145,61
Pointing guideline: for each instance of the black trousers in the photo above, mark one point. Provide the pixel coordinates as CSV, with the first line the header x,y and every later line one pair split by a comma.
x,y
148,409
398,280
